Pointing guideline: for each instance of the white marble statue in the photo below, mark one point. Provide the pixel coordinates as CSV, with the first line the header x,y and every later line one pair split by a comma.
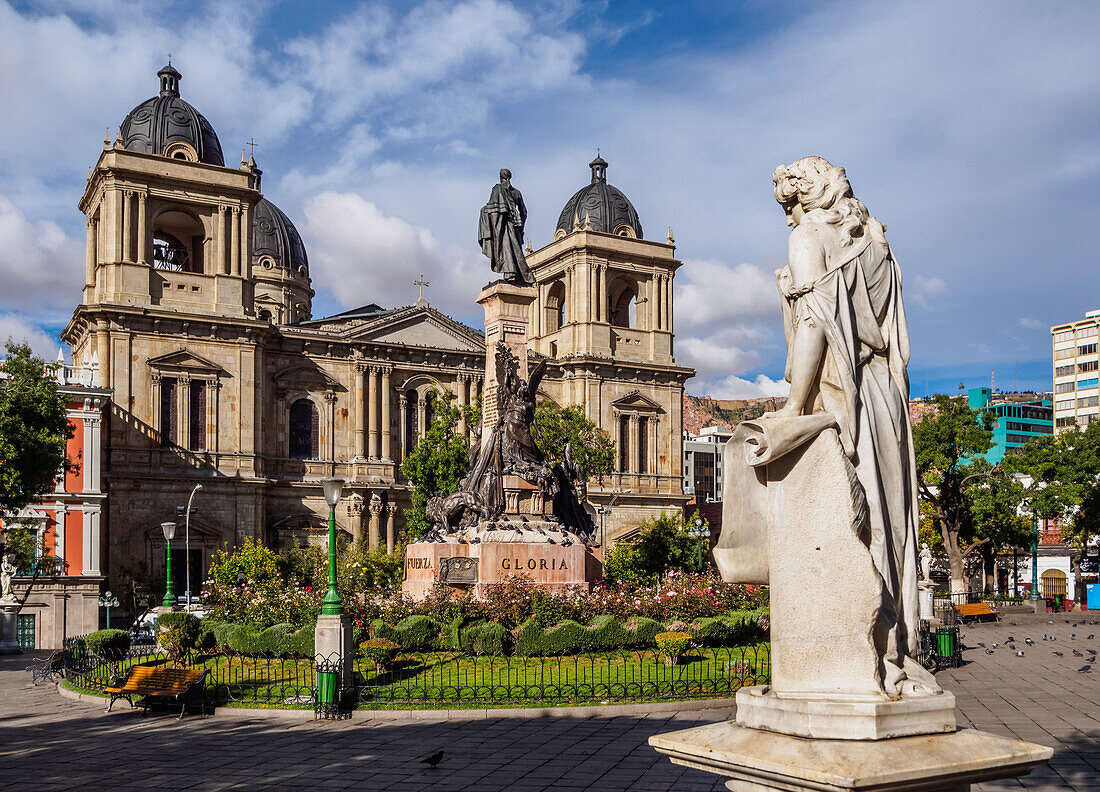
x,y
822,494
7,572
925,562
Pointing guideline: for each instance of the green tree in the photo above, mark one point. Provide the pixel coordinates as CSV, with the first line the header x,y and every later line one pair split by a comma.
x,y
662,545
438,463
592,448
1061,478
33,429
946,443
994,506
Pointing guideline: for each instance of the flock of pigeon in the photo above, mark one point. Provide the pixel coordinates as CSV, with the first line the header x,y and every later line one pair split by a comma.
x,y
1089,654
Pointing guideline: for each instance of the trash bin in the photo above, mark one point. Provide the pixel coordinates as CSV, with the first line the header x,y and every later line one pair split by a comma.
x,y
945,642
326,687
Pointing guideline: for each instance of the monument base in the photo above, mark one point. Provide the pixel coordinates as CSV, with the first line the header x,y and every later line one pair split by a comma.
x,y
761,761
844,717
9,619
332,638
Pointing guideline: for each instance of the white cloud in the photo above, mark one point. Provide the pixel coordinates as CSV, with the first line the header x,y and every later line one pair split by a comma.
x,y
733,387
925,291
374,258
20,328
41,268
1031,324
710,292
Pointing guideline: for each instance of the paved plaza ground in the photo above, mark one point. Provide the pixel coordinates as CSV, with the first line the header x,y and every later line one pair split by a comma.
x,y
52,743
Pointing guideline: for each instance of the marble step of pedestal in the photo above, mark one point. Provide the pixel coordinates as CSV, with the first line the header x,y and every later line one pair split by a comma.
x,y
760,761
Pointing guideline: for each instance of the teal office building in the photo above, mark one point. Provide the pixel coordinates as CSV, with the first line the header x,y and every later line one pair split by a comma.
x,y
1017,422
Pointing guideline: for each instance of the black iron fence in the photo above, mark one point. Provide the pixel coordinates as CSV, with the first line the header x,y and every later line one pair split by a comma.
x,y
645,675
443,678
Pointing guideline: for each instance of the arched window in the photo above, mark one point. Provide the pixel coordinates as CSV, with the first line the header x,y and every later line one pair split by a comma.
x,y
178,240
1054,584
555,307
412,403
304,432
622,305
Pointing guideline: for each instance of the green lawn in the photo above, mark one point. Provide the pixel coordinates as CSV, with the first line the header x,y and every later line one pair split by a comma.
x,y
435,679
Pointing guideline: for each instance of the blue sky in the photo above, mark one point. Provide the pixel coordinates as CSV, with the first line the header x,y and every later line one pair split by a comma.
x,y
968,128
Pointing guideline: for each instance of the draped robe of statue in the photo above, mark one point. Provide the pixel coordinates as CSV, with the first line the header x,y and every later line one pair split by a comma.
x,y
862,391
500,233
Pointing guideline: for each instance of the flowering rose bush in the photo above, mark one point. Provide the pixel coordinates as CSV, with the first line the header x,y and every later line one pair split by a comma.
x,y
263,604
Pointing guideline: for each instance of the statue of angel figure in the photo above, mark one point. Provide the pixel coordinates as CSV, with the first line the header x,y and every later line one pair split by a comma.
x,y
825,488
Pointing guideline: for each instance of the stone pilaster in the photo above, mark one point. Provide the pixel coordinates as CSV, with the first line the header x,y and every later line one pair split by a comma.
x,y
391,529
387,429
374,530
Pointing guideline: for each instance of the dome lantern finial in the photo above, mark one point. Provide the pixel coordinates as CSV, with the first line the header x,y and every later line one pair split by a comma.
x,y
169,80
599,168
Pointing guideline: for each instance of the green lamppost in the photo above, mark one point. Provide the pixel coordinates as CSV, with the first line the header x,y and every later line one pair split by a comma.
x,y
1034,557
702,533
108,601
169,529
332,605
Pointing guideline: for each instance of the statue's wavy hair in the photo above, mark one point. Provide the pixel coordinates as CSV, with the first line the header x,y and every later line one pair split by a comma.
x,y
816,184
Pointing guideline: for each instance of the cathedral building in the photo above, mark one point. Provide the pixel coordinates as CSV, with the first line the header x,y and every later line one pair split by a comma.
x,y
197,314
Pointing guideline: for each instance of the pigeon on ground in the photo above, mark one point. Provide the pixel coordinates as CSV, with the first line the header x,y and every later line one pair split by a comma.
x,y
1057,653
1051,621
433,760
1091,636
1009,639
1091,651
1072,636
1084,669
994,646
1029,642
1019,654
989,651
981,644
1077,654
1012,624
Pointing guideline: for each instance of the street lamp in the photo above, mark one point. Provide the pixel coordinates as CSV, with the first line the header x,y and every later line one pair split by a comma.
x,y
187,545
1034,557
332,605
169,529
603,511
108,601
701,532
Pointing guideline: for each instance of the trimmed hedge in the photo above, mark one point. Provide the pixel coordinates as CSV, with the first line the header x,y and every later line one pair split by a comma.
x,y
278,640
416,632
728,630
486,638
111,645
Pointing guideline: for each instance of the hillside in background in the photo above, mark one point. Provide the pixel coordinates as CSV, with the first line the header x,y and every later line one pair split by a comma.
x,y
700,411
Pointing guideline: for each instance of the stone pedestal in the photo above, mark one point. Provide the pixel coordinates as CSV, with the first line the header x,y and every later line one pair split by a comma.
x,y
9,618
759,761
552,566
927,611
333,637
507,310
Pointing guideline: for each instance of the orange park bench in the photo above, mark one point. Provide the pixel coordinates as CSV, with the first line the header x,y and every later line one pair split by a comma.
x,y
180,685
977,611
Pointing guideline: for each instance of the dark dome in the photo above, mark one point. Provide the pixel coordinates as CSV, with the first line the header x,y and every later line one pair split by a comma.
x,y
599,206
164,123
276,238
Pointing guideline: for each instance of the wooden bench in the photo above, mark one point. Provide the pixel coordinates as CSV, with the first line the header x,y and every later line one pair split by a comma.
x,y
977,611
44,668
181,685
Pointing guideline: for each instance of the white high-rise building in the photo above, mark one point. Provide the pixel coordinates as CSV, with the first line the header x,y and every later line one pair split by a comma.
x,y
1076,371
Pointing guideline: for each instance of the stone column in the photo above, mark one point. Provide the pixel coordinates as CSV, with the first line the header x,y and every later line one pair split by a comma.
x,y
403,408
463,401
90,253
220,237
391,530
635,441
372,413
60,510
506,321
421,416
127,225
601,291
387,429
245,268
103,343
92,445
375,520
357,411
654,435
235,241
91,558
142,230
355,512
183,412
330,399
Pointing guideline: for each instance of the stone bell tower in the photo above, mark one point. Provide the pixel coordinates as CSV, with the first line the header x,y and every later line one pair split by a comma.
x,y
604,315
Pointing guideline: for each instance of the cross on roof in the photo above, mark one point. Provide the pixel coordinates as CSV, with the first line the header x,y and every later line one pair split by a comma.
x,y
421,283
252,142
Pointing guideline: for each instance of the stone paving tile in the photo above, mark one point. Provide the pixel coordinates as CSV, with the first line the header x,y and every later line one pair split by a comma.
x,y
50,743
